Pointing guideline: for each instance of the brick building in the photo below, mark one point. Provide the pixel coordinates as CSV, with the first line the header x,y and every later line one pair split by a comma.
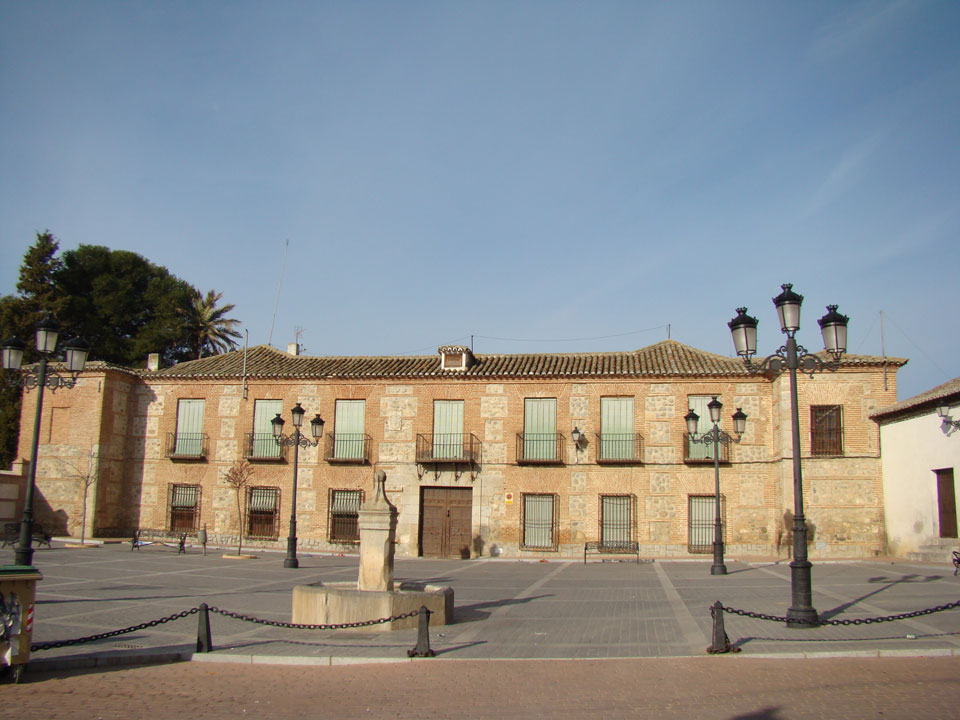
x,y
479,451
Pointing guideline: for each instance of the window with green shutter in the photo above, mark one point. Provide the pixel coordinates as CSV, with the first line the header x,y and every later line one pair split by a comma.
x,y
262,443
189,435
447,429
349,437
540,430
617,439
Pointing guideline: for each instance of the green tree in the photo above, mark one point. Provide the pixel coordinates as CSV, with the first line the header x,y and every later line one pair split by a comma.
x,y
19,315
209,331
123,305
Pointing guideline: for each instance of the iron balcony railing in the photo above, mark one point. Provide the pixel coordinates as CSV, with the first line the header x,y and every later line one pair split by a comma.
x,y
696,452
448,448
539,448
619,448
186,446
347,448
262,447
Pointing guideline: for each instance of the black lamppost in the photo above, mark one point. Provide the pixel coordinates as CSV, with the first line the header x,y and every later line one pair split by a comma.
x,y
833,327
76,352
297,441
717,437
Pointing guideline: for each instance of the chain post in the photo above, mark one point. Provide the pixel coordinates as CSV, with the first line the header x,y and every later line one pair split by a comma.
x,y
423,636
204,643
721,643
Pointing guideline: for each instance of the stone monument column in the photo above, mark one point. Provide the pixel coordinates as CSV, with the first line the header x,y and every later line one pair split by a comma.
x,y
378,531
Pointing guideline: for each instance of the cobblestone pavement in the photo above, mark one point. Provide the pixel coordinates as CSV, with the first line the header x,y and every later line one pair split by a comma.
x,y
719,687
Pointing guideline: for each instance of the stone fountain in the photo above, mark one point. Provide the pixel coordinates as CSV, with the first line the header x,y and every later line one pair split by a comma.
x,y
374,595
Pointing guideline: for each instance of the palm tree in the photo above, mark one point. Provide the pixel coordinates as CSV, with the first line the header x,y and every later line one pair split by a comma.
x,y
209,331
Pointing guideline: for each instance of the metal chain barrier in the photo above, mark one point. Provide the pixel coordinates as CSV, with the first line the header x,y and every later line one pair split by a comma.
x,y
845,621
113,633
296,626
226,613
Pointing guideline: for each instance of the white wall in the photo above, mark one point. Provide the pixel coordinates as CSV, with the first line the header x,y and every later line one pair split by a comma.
x,y
911,450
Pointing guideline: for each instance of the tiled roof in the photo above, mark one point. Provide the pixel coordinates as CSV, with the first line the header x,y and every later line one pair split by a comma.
x,y
664,359
923,402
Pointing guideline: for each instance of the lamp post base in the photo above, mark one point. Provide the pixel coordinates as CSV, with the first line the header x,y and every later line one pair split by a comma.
x,y
802,618
718,567
290,561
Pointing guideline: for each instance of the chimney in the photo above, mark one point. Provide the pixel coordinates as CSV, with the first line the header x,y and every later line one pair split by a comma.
x,y
153,361
293,348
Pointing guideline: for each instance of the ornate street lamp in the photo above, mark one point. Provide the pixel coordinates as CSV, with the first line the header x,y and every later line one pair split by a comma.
x,y
717,437
793,357
75,351
297,441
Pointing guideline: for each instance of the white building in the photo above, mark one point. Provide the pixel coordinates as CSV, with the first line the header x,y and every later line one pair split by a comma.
x,y
920,460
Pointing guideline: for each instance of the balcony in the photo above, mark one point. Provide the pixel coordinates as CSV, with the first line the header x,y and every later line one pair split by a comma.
x,y
262,447
347,448
448,448
187,446
619,448
539,448
695,453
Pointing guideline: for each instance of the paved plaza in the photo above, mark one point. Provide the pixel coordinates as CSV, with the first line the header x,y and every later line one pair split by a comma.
x,y
624,640
504,608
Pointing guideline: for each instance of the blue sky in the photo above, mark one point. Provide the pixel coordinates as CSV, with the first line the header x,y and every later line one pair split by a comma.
x,y
543,176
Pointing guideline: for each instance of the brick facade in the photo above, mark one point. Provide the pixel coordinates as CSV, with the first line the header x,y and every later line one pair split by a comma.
x,y
125,420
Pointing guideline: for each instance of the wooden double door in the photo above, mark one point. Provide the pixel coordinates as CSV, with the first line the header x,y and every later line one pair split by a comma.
x,y
446,522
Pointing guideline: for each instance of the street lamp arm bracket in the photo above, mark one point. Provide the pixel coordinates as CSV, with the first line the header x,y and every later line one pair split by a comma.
x,y
808,363
30,380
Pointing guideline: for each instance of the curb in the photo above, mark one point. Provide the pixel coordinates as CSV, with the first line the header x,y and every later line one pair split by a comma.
x,y
93,662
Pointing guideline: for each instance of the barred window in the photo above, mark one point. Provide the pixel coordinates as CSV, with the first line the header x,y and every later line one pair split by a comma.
x,y
616,519
826,430
539,521
344,514
263,512
184,503
701,522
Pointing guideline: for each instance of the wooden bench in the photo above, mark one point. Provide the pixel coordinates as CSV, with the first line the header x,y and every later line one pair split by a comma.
x,y
146,537
611,548
11,534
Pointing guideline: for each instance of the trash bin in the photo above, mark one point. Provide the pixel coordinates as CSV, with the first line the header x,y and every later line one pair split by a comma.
x,y
18,588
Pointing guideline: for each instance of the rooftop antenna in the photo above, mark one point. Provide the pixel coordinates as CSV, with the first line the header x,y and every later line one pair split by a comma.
x,y
276,302
297,332
883,351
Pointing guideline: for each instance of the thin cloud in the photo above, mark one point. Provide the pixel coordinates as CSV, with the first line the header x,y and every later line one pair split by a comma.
x,y
863,24
845,174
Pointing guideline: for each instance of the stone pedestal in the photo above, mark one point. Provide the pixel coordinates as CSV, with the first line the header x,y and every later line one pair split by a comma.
x,y
378,532
373,596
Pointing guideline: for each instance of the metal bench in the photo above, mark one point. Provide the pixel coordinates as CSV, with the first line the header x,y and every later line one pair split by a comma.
x,y
956,561
11,534
611,548
147,537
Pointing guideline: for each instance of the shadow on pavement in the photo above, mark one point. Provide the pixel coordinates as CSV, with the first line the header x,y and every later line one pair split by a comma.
x,y
474,613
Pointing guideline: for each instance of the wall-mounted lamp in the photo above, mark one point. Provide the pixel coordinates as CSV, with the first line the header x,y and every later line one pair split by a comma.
x,y
948,422
579,439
